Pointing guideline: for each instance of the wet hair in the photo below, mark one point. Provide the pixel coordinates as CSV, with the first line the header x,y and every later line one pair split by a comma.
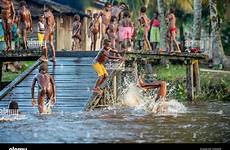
x,y
13,105
95,15
22,3
76,17
115,3
143,9
106,42
171,10
107,4
113,18
126,14
44,67
41,15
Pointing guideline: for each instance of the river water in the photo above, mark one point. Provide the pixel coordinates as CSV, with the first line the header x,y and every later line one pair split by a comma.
x,y
200,123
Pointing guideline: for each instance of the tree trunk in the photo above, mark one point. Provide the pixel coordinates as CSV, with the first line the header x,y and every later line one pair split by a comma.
x,y
163,28
196,24
217,49
146,3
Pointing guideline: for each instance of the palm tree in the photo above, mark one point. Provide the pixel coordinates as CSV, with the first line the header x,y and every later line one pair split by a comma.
x,y
217,47
163,29
146,3
197,24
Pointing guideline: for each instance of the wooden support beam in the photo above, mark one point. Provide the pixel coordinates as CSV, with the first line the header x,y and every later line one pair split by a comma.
x,y
189,83
135,70
196,74
115,87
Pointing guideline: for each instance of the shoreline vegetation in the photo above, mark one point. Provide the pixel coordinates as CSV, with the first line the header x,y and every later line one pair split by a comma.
x,y
214,85
11,73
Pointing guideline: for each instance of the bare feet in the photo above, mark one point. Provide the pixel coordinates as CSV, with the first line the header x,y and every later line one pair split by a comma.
x,y
97,90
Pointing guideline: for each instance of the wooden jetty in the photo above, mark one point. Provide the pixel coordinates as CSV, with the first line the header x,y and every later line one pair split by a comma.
x,y
74,79
191,61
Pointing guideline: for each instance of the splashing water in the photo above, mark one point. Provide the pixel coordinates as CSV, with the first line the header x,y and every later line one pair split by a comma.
x,y
135,97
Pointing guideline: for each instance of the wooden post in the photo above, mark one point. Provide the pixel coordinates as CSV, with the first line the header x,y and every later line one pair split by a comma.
x,y
1,64
115,87
189,76
196,74
119,83
135,70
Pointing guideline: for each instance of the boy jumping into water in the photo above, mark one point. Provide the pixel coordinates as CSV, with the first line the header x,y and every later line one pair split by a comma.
x,y
161,106
98,63
46,88
156,84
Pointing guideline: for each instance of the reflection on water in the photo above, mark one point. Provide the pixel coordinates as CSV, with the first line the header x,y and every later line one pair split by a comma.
x,y
206,123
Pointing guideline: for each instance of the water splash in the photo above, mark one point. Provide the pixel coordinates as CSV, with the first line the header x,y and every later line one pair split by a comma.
x,y
135,97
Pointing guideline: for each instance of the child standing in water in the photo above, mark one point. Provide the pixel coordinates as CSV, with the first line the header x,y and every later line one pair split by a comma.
x,y
46,88
99,61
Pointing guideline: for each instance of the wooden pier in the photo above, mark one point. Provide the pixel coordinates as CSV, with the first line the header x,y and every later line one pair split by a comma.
x,y
75,77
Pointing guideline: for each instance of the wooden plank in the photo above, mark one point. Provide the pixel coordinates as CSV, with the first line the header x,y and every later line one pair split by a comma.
x,y
115,86
13,84
76,53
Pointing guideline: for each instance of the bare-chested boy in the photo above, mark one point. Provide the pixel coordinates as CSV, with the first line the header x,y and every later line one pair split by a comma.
x,y
76,35
94,28
46,88
49,32
106,16
161,85
8,16
112,31
171,19
116,9
98,63
147,21
25,22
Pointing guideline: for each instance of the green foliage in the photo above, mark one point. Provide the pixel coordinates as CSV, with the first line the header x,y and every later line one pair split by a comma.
x,y
10,76
214,86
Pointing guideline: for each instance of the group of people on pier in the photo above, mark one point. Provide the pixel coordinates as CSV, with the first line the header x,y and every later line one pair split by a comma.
x,y
119,33
126,34
17,24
